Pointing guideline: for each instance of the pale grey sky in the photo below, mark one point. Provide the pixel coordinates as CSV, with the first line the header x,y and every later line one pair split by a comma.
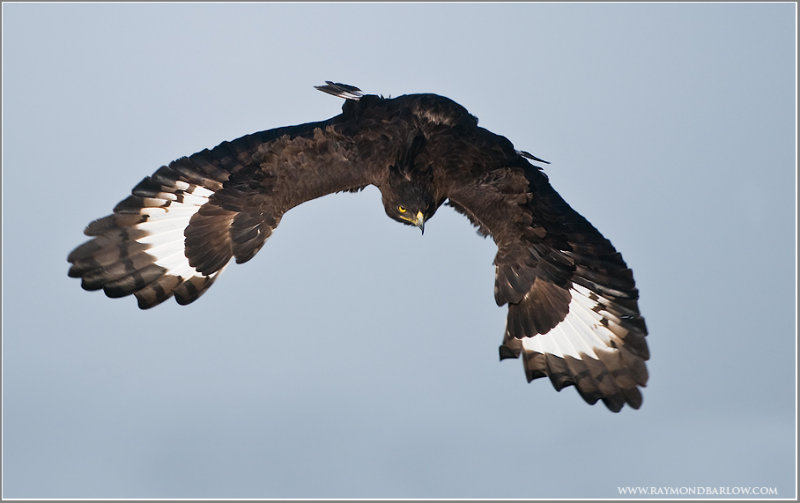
x,y
671,127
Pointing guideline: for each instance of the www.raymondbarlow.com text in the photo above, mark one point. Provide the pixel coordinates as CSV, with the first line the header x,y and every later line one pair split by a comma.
x,y
697,491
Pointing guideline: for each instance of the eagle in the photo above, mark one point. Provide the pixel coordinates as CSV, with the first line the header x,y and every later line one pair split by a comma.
x,y
573,312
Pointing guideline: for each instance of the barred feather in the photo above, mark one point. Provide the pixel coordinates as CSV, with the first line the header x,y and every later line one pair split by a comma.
x,y
140,249
599,351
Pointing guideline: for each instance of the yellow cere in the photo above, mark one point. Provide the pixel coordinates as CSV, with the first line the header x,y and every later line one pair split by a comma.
x,y
414,220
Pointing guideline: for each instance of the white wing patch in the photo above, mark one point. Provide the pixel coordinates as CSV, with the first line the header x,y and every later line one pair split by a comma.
x,y
140,250
165,226
584,332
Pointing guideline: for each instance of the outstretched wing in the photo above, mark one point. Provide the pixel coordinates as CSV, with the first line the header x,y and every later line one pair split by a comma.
x,y
572,301
182,225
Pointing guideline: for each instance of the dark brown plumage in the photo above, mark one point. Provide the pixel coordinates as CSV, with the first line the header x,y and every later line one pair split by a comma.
x,y
573,314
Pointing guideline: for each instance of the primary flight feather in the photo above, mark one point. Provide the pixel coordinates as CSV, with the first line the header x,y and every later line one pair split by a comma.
x,y
573,313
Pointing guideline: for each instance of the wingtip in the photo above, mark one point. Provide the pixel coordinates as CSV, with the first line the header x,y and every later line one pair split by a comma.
x,y
340,90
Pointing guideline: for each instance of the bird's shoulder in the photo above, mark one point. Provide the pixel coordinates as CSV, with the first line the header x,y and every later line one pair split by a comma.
x,y
427,111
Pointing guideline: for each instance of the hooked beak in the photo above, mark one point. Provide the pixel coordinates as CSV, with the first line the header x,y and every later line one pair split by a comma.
x,y
420,222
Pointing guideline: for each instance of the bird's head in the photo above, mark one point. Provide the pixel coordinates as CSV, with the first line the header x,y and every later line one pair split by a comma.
x,y
409,199
409,204
409,192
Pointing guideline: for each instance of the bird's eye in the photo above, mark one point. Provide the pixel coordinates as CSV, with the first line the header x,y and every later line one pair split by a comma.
x,y
401,209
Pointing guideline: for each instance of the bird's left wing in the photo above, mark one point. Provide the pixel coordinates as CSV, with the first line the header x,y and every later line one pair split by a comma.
x,y
573,313
182,225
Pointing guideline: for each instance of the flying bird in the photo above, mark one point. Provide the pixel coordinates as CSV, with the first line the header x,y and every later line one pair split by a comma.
x,y
573,312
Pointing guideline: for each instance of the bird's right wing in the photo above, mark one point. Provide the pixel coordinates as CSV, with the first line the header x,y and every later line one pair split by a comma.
x,y
182,225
